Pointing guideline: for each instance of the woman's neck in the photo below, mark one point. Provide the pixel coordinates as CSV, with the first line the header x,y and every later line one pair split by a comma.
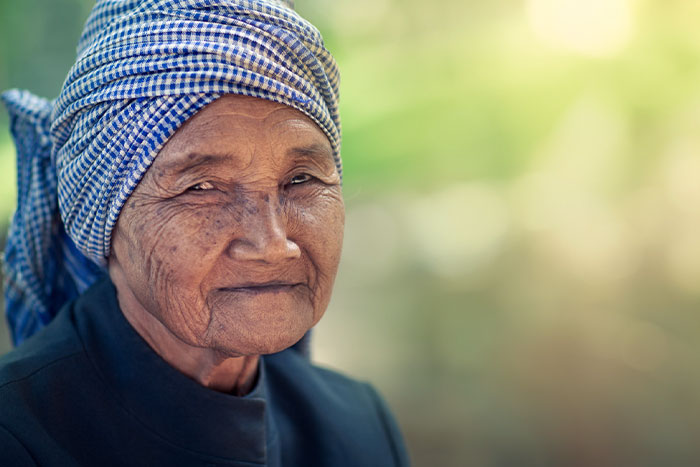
x,y
210,368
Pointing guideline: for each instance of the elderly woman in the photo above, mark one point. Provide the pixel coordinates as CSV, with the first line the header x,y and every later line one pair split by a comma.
x,y
178,231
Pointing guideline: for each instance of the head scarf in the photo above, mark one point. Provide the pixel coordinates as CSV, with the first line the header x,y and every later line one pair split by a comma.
x,y
143,68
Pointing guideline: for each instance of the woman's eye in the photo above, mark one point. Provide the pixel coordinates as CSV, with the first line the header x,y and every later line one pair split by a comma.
x,y
203,186
301,178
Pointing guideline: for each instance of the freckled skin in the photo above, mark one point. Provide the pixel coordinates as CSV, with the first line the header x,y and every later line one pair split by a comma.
x,y
219,263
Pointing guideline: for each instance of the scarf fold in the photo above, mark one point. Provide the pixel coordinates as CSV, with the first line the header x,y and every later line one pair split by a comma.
x,y
143,68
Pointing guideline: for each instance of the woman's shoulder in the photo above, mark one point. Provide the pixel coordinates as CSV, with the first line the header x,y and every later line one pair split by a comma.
x,y
299,375
12,451
347,414
52,345
36,379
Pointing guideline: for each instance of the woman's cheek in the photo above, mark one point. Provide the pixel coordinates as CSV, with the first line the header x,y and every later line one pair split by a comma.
x,y
194,232
321,209
328,217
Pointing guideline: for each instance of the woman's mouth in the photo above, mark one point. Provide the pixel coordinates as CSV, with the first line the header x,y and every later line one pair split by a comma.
x,y
263,288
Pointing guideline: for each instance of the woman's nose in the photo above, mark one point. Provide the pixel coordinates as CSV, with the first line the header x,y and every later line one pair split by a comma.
x,y
261,234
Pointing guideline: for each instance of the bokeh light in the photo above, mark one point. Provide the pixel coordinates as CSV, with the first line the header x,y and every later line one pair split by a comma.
x,y
593,27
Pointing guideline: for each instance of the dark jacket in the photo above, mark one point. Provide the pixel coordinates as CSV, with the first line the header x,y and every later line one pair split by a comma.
x,y
88,390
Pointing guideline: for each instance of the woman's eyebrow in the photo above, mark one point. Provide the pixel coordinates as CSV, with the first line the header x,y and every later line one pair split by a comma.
x,y
318,151
191,161
186,162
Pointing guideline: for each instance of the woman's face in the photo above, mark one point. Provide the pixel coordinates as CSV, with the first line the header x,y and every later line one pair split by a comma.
x,y
233,237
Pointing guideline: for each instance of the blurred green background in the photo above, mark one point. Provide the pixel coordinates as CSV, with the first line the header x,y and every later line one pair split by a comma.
x,y
521,272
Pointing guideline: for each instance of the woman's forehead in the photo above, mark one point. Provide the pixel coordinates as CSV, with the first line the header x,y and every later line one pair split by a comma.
x,y
242,127
233,113
243,106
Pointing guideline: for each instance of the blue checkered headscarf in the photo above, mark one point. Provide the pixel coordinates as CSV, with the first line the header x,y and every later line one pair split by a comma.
x,y
143,68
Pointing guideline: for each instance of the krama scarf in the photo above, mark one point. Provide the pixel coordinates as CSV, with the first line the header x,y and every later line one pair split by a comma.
x,y
143,68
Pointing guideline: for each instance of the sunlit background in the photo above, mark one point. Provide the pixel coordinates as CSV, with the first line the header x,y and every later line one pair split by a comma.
x,y
521,272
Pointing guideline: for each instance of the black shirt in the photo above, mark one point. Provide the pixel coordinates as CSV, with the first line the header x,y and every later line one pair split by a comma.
x,y
88,390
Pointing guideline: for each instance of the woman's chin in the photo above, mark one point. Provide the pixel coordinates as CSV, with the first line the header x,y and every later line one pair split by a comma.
x,y
261,339
260,345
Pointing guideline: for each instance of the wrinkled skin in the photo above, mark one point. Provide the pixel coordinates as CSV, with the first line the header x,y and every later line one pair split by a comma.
x,y
229,245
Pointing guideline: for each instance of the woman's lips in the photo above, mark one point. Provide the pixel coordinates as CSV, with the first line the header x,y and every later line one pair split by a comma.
x,y
267,288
